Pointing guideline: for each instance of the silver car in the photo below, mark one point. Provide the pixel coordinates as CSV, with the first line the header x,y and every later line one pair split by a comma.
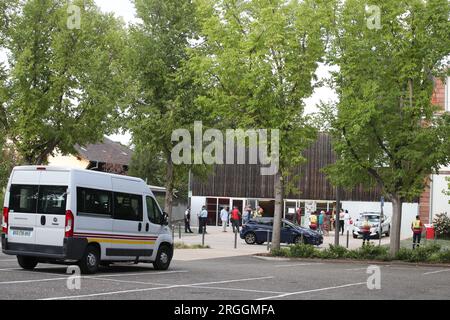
x,y
374,220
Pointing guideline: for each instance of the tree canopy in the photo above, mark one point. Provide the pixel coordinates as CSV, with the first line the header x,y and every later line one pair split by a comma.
x,y
66,83
386,131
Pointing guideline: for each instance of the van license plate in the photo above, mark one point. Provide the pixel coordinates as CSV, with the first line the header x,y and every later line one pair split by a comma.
x,y
21,233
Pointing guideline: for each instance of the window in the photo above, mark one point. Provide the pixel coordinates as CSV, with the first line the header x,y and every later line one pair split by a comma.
x,y
153,211
52,200
127,207
23,198
94,201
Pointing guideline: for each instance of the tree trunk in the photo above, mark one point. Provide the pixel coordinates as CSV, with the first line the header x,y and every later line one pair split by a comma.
x,y
396,225
276,233
169,187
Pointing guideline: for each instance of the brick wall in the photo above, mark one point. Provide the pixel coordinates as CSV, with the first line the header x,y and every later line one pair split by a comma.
x,y
438,99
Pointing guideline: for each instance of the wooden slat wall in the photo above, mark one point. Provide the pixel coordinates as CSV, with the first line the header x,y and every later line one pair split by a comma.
x,y
245,180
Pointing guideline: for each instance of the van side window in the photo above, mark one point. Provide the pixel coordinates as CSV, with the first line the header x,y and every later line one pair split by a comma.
x,y
127,207
52,200
153,212
23,198
94,201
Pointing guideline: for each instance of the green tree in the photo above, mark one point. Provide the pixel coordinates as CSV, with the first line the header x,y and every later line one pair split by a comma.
x,y
386,131
164,88
153,171
258,60
66,83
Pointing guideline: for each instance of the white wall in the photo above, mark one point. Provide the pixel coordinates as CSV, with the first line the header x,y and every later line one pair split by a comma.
x,y
410,210
196,207
440,201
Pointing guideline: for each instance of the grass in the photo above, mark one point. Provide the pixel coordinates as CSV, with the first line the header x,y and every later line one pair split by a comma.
x,y
182,245
444,243
430,253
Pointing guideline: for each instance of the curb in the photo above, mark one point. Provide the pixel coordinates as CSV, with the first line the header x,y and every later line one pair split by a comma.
x,y
343,261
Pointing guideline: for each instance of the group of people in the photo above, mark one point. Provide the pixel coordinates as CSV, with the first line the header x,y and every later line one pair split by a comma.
x,y
322,222
227,217
234,217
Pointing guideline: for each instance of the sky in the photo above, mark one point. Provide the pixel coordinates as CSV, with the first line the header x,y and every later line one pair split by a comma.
x,y
125,9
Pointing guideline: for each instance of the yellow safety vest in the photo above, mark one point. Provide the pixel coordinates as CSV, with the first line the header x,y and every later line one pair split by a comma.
x,y
366,226
416,224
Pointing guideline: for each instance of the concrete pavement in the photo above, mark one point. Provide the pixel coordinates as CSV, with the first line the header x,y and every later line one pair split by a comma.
x,y
222,244
243,278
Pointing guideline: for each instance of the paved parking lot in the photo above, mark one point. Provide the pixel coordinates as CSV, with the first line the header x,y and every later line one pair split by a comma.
x,y
242,278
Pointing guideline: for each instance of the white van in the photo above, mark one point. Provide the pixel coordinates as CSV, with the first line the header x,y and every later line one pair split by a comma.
x,y
66,215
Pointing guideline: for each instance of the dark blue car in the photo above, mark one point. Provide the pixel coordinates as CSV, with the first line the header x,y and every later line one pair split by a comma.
x,y
257,230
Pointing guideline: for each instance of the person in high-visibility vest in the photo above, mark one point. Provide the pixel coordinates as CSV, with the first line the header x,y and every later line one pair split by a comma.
x,y
365,229
416,227
313,221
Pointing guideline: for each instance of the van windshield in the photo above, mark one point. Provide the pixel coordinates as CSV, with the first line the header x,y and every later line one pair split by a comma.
x,y
38,199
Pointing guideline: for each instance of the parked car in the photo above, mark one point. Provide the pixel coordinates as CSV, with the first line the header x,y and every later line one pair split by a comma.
x,y
374,220
257,230
59,215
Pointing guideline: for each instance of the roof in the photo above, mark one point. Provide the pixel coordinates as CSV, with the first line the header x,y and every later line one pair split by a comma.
x,y
106,151
58,168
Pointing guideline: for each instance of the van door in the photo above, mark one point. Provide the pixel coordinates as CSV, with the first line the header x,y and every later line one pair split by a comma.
x,y
22,213
153,226
37,214
128,229
51,215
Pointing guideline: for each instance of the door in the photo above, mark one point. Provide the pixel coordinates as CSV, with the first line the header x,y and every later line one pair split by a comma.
x,y
128,227
51,215
37,214
287,233
153,219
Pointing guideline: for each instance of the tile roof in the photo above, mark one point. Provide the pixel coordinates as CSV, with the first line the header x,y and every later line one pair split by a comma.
x,y
106,151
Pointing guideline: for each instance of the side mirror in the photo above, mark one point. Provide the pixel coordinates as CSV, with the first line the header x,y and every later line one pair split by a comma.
x,y
165,219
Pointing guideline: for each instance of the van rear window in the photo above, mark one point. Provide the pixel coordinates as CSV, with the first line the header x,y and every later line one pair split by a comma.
x,y
23,198
38,199
52,200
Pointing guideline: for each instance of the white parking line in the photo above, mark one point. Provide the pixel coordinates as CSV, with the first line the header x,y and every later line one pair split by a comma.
x,y
8,260
30,281
314,290
152,289
298,264
235,289
87,277
10,269
438,271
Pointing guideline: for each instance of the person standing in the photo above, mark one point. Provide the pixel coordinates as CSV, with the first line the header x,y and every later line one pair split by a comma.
x,y
365,229
341,221
203,218
235,216
347,219
313,221
299,216
417,228
320,220
187,221
224,216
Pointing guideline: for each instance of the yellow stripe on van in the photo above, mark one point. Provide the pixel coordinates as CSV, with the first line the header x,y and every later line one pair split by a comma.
x,y
119,241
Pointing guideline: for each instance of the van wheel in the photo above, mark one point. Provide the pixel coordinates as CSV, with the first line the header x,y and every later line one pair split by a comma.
x,y
27,263
90,261
163,258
